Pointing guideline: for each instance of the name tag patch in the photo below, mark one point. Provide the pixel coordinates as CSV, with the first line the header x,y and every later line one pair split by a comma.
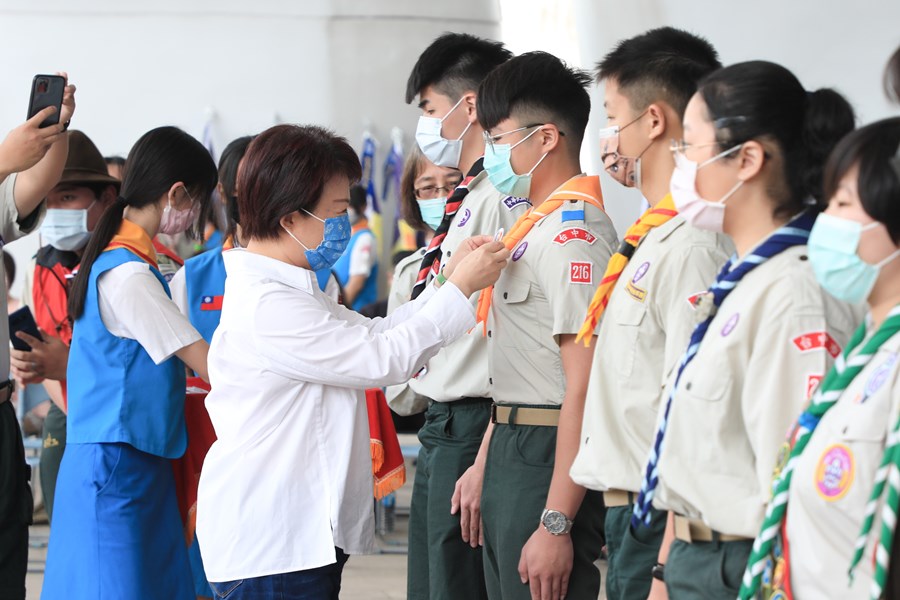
x,y
511,202
581,272
635,292
834,473
574,233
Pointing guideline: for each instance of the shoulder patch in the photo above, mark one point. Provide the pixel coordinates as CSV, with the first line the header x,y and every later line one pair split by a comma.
x,y
814,340
581,272
572,215
571,234
512,201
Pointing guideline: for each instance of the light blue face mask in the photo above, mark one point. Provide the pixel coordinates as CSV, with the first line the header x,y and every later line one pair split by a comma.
x,y
499,168
334,242
432,210
840,271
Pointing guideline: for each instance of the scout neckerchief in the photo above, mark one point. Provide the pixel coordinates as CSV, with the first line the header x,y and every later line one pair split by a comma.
x,y
432,258
794,233
653,217
361,225
578,188
133,237
845,369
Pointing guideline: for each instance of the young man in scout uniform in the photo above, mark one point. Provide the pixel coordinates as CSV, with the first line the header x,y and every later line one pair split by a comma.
x,y
540,539
646,290
442,563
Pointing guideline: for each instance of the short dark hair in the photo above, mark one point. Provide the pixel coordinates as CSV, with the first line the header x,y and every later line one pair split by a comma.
x,y
9,264
455,63
228,168
874,148
285,170
358,198
537,87
114,160
764,101
661,64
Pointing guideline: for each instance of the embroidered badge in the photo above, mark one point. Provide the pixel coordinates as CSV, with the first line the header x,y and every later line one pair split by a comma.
x,y
878,377
574,233
511,202
635,292
812,384
519,251
211,302
581,272
834,473
641,271
466,215
815,340
730,324
572,215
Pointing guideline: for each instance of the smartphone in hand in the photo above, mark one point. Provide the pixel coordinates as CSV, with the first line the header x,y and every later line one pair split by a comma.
x,y
46,90
22,320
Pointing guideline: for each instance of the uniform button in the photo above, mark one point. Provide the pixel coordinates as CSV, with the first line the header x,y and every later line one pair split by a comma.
x,y
489,333
491,380
505,295
688,386
448,254
804,257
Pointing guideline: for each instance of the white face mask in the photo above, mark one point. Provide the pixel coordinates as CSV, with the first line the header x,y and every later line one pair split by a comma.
x,y
65,228
439,150
700,213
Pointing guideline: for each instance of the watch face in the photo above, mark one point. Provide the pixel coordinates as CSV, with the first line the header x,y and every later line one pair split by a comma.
x,y
555,522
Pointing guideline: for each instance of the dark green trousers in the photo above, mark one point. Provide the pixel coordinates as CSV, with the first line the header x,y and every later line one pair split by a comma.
x,y
51,455
516,481
632,552
706,570
16,506
441,566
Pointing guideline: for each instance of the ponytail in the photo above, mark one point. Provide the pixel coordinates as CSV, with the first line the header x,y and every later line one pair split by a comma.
x,y
100,238
161,158
828,118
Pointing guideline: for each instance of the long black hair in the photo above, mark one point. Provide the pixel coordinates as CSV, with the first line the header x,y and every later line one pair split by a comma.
x,y
763,101
161,158
228,169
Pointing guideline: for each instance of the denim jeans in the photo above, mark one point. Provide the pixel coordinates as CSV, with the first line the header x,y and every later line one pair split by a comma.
x,y
322,583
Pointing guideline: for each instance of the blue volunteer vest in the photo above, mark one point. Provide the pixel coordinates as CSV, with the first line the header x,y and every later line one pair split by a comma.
x,y
369,293
116,392
204,277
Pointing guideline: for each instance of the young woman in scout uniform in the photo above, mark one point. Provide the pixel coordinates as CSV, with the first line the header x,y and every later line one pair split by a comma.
x,y
648,81
835,498
750,165
118,533
541,532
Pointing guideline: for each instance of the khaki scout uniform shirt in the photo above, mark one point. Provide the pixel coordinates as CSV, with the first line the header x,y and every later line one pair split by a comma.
x,y
833,480
461,369
401,398
769,345
643,334
543,293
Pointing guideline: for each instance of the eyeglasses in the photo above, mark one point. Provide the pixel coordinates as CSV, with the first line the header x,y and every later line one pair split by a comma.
x,y
490,140
430,192
680,146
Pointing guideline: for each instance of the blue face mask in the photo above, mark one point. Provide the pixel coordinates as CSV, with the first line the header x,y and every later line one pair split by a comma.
x,y
832,246
432,210
499,168
334,242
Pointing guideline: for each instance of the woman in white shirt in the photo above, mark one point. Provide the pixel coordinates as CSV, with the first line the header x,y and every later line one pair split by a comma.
x,y
119,534
286,490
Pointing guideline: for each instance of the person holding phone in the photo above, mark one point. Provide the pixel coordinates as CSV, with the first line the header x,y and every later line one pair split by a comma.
x,y
119,532
31,161
286,490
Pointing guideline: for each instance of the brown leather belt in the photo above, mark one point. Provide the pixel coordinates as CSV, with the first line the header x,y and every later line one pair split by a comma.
x,y
615,498
504,414
692,531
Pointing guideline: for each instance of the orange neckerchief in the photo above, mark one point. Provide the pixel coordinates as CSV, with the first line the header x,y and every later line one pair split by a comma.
x,y
228,244
585,188
363,223
653,217
133,237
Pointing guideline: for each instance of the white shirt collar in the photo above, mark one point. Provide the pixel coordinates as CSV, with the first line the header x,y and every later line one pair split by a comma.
x,y
239,261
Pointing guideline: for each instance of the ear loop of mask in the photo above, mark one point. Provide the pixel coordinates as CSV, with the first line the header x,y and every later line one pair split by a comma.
x,y
468,125
885,260
539,160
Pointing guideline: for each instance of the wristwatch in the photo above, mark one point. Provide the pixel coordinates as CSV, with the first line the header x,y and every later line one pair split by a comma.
x,y
658,571
555,522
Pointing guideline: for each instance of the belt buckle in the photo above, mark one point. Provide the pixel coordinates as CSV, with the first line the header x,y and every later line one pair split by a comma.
x,y
494,413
